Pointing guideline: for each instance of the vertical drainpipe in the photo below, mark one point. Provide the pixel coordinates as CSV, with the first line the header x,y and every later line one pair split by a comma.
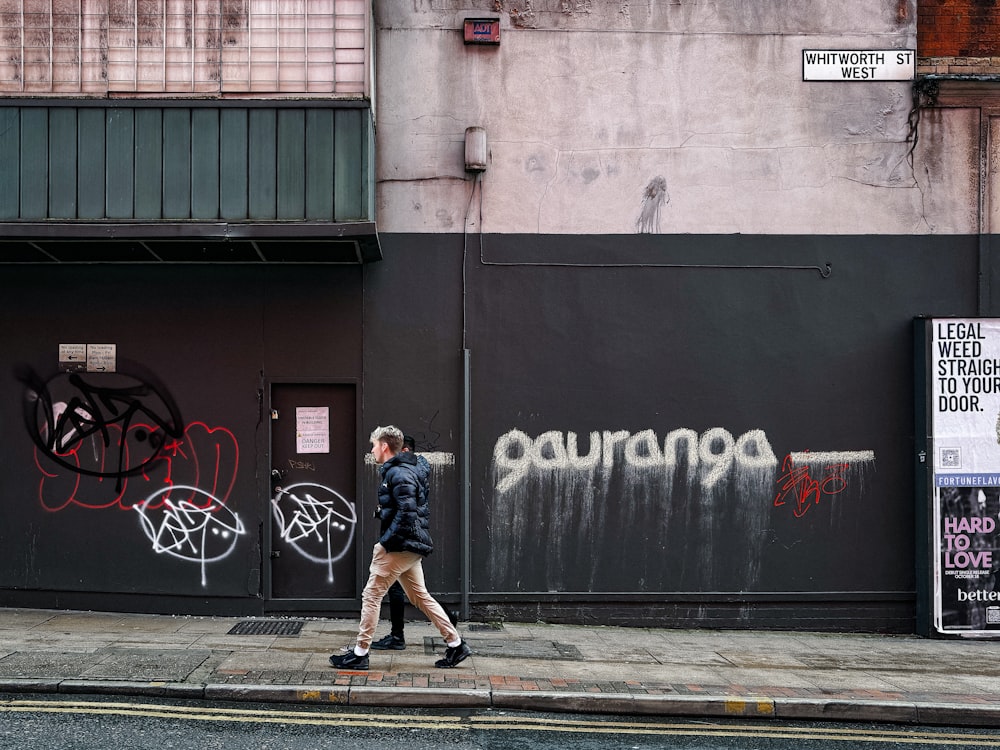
x,y
984,308
465,477
476,157
983,280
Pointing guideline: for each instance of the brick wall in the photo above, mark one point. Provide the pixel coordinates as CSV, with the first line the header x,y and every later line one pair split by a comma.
x,y
958,37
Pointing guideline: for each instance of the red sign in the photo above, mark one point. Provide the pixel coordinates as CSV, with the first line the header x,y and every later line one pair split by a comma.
x,y
482,31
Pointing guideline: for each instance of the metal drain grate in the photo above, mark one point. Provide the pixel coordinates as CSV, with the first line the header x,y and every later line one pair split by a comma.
x,y
267,627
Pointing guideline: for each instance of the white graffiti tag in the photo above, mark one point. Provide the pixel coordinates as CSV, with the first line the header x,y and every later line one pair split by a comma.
x,y
316,521
190,531
712,455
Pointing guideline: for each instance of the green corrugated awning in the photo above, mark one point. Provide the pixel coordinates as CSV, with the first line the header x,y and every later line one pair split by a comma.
x,y
176,181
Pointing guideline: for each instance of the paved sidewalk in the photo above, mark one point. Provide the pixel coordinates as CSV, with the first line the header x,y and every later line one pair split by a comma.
x,y
768,675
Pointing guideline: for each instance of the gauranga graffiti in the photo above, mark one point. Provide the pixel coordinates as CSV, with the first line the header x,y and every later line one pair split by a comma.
x,y
713,454
595,504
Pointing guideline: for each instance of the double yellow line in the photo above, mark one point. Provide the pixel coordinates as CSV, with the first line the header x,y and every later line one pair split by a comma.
x,y
335,717
764,729
247,716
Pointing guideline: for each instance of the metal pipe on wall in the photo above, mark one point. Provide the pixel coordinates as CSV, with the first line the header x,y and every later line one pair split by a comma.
x,y
465,478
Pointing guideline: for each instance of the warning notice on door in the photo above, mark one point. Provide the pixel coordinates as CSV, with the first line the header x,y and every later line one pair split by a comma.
x,y
312,429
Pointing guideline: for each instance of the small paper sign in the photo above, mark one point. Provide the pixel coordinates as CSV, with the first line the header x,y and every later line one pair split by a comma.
x,y
312,429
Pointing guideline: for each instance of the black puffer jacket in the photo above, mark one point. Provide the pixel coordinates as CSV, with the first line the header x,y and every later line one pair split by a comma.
x,y
403,509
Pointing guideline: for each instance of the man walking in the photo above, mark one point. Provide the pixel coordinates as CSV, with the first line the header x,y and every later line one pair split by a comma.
x,y
404,542
396,640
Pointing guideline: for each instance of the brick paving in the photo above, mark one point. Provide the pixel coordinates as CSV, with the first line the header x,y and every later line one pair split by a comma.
x,y
454,680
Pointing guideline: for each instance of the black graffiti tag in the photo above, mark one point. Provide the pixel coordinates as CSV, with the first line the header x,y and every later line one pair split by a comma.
x,y
68,410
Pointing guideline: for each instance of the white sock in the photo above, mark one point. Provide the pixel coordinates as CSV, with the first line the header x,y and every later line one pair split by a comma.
x,y
455,644
358,651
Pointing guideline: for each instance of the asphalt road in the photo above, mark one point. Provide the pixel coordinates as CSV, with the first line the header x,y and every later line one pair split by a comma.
x,y
85,723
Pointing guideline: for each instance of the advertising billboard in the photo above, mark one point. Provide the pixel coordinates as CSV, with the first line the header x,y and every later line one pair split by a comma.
x,y
963,450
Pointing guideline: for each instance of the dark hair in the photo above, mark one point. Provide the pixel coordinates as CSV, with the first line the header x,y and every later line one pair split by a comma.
x,y
409,442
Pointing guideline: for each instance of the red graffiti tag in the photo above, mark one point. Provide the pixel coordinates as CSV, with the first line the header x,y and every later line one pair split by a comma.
x,y
204,457
797,482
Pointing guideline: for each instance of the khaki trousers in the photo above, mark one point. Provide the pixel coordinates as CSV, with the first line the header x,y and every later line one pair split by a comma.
x,y
386,569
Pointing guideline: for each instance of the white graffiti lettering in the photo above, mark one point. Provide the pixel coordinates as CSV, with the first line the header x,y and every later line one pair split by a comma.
x,y
187,530
316,521
713,454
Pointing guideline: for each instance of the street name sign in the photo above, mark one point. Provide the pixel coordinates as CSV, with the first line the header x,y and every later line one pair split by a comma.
x,y
858,65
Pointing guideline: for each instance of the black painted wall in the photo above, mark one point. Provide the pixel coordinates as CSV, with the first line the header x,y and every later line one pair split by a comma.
x,y
412,344
195,347
751,399
754,348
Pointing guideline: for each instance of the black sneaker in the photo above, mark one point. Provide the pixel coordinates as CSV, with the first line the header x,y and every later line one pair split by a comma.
x,y
350,660
453,616
454,656
390,643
